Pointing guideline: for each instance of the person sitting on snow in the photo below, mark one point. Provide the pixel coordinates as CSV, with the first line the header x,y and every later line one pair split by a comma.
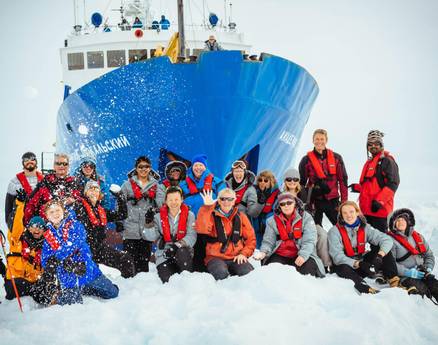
x,y
290,238
230,236
414,257
173,228
24,262
66,250
347,240
241,180
199,178
95,218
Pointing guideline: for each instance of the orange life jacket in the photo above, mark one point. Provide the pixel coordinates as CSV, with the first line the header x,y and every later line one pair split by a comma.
x,y
99,220
25,183
269,204
152,192
208,184
285,230
240,193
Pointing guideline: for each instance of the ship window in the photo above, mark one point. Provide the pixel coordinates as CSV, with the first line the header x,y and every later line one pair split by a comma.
x,y
75,61
95,59
137,55
116,58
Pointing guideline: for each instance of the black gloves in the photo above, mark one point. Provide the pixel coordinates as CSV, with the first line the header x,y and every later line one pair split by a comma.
x,y
119,227
2,268
377,262
261,196
376,206
323,186
149,216
170,252
21,195
365,267
77,268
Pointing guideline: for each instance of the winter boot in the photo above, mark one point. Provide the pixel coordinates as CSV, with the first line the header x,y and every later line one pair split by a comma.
x,y
363,287
394,281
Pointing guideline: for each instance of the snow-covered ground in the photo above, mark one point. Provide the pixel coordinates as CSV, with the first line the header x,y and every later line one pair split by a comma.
x,y
272,304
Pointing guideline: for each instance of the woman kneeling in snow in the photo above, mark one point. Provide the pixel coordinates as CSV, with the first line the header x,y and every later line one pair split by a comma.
x,y
173,228
347,240
290,238
415,259
230,236
66,250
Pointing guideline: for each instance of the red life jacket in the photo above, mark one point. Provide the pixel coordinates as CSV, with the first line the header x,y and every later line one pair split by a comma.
x,y
182,223
208,184
405,243
51,239
316,163
25,183
25,254
369,169
285,229
101,220
152,192
349,250
240,193
270,201
166,183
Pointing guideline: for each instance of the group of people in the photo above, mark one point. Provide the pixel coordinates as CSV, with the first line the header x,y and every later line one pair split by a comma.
x,y
192,220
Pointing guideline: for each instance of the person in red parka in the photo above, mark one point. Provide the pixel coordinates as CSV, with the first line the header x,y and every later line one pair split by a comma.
x,y
324,178
58,185
378,183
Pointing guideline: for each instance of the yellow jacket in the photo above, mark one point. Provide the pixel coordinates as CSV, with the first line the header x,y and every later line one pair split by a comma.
x,y
18,266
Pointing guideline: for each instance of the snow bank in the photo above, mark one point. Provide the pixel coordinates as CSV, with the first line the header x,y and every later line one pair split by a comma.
x,y
271,305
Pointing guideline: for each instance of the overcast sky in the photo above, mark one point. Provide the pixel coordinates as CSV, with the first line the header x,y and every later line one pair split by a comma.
x,y
376,63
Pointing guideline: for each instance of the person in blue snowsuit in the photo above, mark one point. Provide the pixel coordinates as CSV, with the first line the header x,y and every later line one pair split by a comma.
x,y
164,23
65,250
199,178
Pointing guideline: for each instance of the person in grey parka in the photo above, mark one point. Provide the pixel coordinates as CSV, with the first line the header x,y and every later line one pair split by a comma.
x,y
414,257
347,240
141,193
290,238
173,228
241,180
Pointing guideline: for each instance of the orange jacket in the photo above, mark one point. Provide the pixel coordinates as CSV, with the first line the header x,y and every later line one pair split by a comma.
x,y
205,225
18,267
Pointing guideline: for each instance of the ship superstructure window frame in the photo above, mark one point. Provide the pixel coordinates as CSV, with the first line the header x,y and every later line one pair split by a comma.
x,y
75,61
95,59
135,55
116,58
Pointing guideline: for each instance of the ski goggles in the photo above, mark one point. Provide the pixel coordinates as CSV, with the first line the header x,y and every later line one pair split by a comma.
x,y
238,164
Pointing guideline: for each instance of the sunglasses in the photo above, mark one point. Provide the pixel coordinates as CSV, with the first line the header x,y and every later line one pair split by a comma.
x,y
64,164
266,180
373,144
223,198
286,203
88,165
290,179
238,164
31,159
143,166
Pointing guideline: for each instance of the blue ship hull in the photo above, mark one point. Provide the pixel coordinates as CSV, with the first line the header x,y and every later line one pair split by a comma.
x,y
221,105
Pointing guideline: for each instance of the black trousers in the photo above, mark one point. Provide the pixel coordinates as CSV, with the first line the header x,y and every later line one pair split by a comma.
x,y
378,223
425,287
140,251
107,255
221,269
199,253
42,291
309,267
389,268
181,262
327,207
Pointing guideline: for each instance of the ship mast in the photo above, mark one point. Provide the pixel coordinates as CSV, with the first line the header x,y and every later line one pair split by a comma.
x,y
181,36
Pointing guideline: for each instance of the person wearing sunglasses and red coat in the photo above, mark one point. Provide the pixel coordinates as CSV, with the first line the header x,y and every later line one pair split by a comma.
x,y
290,238
230,236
